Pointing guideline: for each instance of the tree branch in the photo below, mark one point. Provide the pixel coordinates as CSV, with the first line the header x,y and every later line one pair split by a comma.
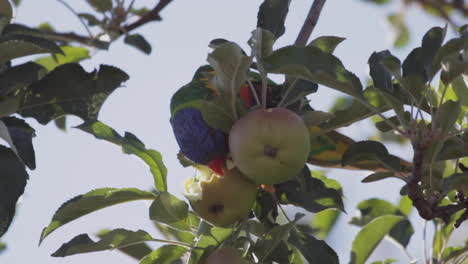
x,y
428,208
152,15
309,23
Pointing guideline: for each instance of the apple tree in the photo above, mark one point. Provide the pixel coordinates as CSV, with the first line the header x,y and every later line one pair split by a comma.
x,y
245,124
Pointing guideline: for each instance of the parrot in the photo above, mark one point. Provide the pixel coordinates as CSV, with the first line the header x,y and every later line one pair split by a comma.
x,y
205,145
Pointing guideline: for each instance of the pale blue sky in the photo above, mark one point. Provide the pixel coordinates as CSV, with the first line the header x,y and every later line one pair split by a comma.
x,y
73,163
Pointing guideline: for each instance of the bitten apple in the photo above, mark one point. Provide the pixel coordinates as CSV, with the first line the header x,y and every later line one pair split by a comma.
x,y
269,145
221,200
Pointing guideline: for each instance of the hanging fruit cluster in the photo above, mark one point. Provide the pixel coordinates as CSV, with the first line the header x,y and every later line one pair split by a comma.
x,y
236,143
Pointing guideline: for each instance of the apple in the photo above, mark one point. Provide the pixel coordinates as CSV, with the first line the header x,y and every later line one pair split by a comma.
x,y
226,255
220,200
269,146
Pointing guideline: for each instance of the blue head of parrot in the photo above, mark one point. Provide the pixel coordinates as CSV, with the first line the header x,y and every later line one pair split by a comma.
x,y
197,141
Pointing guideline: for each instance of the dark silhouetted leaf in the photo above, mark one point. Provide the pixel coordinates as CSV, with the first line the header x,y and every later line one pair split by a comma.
x,y
312,64
101,5
15,46
377,176
419,61
70,54
447,115
117,238
166,254
309,193
69,89
91,19
17,78
92,201
131,145
313,250
370,236
371,150
137,251
12,183
167,208
139,42
271,16
457,181
19,136
380,75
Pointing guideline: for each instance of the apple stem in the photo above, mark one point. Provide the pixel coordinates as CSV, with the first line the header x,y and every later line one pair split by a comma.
x,y
254,92
285,95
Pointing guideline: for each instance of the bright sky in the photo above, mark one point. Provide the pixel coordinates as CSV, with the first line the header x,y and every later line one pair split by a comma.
x,y
74,163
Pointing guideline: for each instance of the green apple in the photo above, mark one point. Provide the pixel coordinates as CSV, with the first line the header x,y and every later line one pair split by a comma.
x,y
226,255
221,200
269,145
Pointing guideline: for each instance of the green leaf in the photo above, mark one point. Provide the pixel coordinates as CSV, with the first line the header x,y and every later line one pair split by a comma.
x,y
370,150
405,205
69,89
378,2
324,221
140,11
101,5
370,236
314,118
420,60
447,115
401,31
216,114
313,250
166,254
167,208
91,19
387,261
457,181
3,247
231,67
137,251
371,209
17,29
271,16
90,202
443,231
115,239
374,208
271,241
15,46
327,43
262,42
380,75
131,145
18,134
309,193
139,42
449,50
12,183
6,13
70,54
377,176
356,111
454,148
312,64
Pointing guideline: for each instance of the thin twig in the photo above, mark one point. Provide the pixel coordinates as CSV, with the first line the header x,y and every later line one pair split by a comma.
x,y
152,15
309,23
78,16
